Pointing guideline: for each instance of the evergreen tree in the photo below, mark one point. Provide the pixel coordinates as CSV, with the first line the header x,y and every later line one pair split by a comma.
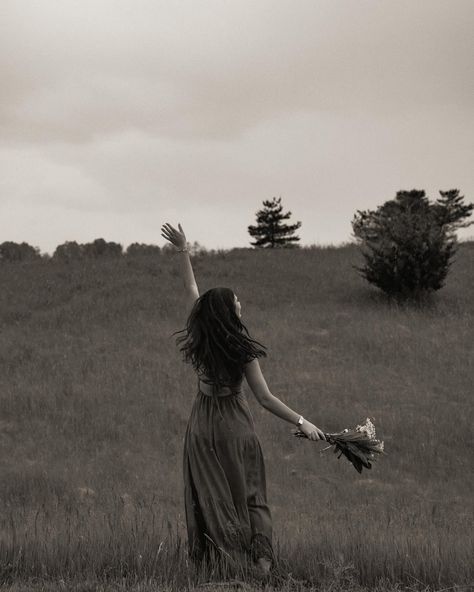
x,y
450,210
409,242
269,231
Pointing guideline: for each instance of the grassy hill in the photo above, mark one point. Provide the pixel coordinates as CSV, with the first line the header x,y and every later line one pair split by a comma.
x,y
94,403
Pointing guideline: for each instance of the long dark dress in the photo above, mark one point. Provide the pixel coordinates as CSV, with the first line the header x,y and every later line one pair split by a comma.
x,y
224,480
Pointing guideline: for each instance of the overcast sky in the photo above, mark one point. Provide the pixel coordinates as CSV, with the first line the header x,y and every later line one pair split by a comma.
x,y
117,116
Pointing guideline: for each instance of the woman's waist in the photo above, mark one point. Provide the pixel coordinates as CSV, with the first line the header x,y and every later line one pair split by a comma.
x,y
223,395
205,386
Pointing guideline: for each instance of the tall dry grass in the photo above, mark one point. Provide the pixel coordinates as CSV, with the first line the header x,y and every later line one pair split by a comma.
x,y
94,403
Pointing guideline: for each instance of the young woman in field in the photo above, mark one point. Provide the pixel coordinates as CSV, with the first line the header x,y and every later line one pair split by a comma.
x,y
223,468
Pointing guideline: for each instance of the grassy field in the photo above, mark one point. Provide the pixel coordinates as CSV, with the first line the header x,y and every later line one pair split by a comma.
x,y
94,401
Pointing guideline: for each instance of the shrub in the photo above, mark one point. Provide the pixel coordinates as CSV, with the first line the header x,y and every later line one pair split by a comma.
x,y
409,242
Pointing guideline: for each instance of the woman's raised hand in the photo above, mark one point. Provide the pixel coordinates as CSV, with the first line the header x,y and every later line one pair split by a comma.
x,y
311,431
176,237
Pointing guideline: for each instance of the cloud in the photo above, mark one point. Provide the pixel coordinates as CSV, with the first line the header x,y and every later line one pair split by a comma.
x,y
76,71
31,177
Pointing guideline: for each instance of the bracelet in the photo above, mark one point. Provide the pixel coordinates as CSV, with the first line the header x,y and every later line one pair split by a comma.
x,y
182,250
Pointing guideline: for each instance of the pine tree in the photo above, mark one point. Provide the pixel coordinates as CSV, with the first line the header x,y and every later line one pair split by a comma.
x,y
269,231
450,210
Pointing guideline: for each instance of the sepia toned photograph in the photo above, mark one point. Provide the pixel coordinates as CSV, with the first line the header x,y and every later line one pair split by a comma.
x,y
236,295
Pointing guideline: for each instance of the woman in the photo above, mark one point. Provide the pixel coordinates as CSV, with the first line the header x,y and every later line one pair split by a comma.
x,y
223,468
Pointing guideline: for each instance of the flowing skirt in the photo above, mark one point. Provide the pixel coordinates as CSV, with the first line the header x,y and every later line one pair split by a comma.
x,y
224,481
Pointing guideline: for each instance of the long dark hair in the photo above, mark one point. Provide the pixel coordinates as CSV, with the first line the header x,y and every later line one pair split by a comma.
x,y
215,342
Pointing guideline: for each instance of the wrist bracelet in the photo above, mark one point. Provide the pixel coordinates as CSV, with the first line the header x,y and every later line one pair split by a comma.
x,y
182,250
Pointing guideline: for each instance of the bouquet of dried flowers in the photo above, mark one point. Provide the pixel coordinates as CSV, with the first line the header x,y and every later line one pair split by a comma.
x,y
358,445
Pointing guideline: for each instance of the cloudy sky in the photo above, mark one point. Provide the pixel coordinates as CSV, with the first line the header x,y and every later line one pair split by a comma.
x,y
117,116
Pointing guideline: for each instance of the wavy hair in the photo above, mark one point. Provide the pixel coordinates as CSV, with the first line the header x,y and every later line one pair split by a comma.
x,y
215,341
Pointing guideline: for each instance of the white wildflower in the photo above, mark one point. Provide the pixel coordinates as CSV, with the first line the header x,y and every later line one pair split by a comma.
x,y
368,428
379,446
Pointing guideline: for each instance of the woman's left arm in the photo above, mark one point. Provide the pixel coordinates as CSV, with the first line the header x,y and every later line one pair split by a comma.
x,y
178,239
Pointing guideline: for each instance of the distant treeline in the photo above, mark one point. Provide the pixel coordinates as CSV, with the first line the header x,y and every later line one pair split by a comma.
x,y
72,250
99,248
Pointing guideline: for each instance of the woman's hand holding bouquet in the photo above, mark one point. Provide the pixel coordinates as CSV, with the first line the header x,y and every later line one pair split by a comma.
x,y
311,431
359,445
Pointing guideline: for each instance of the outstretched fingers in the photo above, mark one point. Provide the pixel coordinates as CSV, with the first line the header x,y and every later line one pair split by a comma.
x,y
168,232
177,237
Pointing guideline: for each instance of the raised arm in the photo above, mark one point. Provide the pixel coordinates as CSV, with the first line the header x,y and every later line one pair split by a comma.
x,y
178,239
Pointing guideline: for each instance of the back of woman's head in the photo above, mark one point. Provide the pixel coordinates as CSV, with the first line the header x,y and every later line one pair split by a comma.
x,y
215,341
